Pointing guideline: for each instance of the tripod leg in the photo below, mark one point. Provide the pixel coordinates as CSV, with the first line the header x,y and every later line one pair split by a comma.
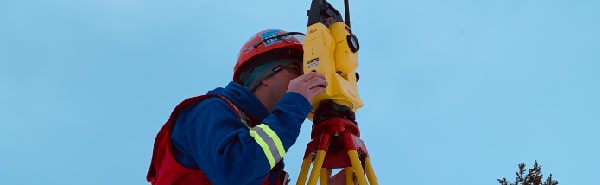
x,y
316,169
370,171
356,165
324,177
349,176
319,159
304,170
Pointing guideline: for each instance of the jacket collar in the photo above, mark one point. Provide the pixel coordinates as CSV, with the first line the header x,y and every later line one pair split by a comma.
x,y
244,99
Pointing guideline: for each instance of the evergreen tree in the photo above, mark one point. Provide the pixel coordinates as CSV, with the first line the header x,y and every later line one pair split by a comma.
x,y
533,177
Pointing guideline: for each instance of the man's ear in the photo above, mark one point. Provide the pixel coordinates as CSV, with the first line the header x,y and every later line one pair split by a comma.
x,y
263,84
266,82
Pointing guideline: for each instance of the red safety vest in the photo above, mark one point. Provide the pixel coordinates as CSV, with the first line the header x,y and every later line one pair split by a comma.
x,y
164,169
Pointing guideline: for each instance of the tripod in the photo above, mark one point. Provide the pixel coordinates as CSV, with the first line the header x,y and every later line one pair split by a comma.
x,y
336,144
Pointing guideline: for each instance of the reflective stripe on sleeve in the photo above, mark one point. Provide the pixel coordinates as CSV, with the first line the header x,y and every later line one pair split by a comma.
x,y
269,142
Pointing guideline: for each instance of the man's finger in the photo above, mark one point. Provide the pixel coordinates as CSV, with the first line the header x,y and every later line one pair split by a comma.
x,y
316,82
311,75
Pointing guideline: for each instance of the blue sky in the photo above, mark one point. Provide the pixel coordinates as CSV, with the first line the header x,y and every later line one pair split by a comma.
x,y
454,92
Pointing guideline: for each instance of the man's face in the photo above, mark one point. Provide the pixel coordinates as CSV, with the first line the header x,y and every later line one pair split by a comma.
x,y
281,79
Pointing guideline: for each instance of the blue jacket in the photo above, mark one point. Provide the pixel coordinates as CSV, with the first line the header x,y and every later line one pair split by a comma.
x,y
210,137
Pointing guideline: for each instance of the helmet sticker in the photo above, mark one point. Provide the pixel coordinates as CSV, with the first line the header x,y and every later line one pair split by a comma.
x,y
271,36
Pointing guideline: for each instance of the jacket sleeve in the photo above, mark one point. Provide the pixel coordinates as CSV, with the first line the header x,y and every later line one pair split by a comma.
x,y
215,140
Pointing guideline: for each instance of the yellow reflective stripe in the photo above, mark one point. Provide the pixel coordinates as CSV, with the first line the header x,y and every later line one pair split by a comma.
x,y
265,148
268,140
275,137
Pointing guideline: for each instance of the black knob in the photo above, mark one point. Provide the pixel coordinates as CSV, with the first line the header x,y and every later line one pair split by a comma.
x,y
352,42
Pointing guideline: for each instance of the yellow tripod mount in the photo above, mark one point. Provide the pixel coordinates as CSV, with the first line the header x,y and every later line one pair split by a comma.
x,y
326,51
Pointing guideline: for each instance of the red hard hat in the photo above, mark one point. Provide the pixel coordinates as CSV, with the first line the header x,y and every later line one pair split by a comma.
x,y
265,41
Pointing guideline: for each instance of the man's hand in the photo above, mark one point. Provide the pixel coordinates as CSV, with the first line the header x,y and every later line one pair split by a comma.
x,y
308,85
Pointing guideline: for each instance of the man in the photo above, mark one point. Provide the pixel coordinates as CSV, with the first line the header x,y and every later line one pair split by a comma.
x,y
239,134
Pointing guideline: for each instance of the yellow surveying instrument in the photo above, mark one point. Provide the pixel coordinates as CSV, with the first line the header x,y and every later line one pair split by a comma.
x,y
331,49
